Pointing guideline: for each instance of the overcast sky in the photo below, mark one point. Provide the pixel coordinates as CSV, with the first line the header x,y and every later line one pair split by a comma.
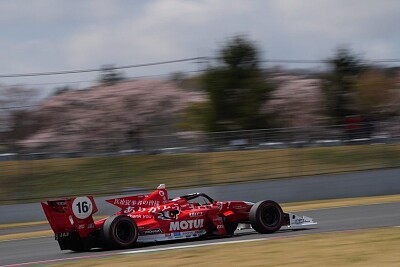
x,y
55,35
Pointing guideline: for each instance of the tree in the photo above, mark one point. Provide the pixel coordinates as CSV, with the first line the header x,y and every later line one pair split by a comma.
x,y
16,119
339,83
177,77
61,90
236,88
194,116
15,99
109,75
375,94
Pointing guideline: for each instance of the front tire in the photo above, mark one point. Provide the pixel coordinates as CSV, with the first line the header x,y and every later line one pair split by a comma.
x,y
119,232
266,216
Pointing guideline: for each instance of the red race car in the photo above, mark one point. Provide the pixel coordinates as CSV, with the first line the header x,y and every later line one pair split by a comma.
x,y
154,217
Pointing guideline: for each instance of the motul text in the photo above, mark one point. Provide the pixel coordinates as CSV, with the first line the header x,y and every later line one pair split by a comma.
x,y
186,225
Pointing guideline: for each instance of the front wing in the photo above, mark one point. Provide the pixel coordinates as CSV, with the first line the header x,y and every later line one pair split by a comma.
x,y
299,221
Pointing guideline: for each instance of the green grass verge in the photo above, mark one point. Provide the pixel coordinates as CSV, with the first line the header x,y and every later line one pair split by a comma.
x,y
26,181
376,247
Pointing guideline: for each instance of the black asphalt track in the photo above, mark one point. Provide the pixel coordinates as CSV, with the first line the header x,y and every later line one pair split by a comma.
x,y
45,250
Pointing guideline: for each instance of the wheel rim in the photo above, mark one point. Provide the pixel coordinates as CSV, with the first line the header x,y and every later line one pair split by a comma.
x,y
270,216
124,231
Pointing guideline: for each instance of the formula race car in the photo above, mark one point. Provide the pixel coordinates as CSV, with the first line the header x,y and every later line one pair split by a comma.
x,y
154,217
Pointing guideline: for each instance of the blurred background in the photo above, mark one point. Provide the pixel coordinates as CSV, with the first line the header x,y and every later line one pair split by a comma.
x,y
128,108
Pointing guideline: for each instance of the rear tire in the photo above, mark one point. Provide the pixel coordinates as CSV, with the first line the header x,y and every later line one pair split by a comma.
x,y
266,216
119,232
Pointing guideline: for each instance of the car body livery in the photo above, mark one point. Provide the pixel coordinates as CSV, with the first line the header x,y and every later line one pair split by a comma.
x,y
154,217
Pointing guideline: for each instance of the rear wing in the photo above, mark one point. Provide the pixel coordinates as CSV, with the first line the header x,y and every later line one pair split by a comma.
x,y
135,203
71,214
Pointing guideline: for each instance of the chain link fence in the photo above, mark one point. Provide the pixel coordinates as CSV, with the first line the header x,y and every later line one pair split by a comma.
x,y
112,166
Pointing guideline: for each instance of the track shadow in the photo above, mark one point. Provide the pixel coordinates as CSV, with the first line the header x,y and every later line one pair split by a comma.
x,y
238,234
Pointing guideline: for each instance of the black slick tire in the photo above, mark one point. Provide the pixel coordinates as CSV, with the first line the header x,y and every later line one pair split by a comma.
x,y
119,232
266,216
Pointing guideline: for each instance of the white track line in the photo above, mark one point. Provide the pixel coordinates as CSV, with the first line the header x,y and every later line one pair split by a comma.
x,y
139,251
196,246
178,247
